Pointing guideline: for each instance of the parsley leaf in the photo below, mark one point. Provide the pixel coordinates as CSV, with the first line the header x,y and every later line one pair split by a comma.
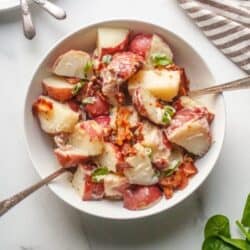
x,y
99,174
160,59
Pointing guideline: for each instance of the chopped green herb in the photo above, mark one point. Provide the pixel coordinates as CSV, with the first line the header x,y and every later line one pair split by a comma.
x,y
89,100
99,174
172,168
168,114
157,173
88,67
160,59
106,59
148,152
77,87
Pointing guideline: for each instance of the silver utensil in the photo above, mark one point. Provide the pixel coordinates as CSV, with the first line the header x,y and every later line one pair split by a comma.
x,y
28,27
243,83
51,8
7,204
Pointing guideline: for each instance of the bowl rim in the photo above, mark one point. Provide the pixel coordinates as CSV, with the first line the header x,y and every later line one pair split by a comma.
x,y
93,25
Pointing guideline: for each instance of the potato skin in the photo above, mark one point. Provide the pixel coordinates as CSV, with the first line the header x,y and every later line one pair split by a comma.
x,y
57,93
140,197
86,141
140,44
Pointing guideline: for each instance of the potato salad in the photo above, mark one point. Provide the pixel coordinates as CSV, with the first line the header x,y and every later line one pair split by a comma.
x,y
121,116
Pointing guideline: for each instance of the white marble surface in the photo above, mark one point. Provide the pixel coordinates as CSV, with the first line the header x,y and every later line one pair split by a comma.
x,y
43,222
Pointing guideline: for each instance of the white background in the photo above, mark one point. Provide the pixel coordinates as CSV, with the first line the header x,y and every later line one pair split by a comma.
x,y
43,222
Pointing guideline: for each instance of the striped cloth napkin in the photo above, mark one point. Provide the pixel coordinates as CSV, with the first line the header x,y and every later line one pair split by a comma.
x,y
227,24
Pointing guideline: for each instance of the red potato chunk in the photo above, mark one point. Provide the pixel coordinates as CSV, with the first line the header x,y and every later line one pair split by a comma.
x,y
86,141
71,64
148,106
125,64
187,102
114,186
140,170
141,44
190,129
120,69
99,107
139,197
58,88
111,157
83,184
54,117
158,46
111,40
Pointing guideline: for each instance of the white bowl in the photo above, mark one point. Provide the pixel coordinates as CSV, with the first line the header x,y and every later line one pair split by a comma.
x,y
40,145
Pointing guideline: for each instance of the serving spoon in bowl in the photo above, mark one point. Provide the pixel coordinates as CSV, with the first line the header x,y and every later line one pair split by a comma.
x,y
6,204
243,83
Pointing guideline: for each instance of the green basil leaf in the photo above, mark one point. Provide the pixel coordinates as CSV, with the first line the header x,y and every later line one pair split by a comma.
x,y
217,225
106,59
89,100
244,230
99,174
77,87
215,243
246,214
160,59
238,243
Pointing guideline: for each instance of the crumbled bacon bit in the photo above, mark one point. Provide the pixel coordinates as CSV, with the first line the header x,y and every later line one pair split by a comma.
x,y
128,150
123,127
179,179
42,106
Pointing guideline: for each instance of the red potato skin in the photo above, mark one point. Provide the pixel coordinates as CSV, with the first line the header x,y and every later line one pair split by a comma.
x,y
140,197
59,94
141,44
136,99
125,64
119,48
103,120
68,160
99,108
92,190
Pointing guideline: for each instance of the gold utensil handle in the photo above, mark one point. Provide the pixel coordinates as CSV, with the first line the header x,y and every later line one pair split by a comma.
x,y
243,83
5,205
